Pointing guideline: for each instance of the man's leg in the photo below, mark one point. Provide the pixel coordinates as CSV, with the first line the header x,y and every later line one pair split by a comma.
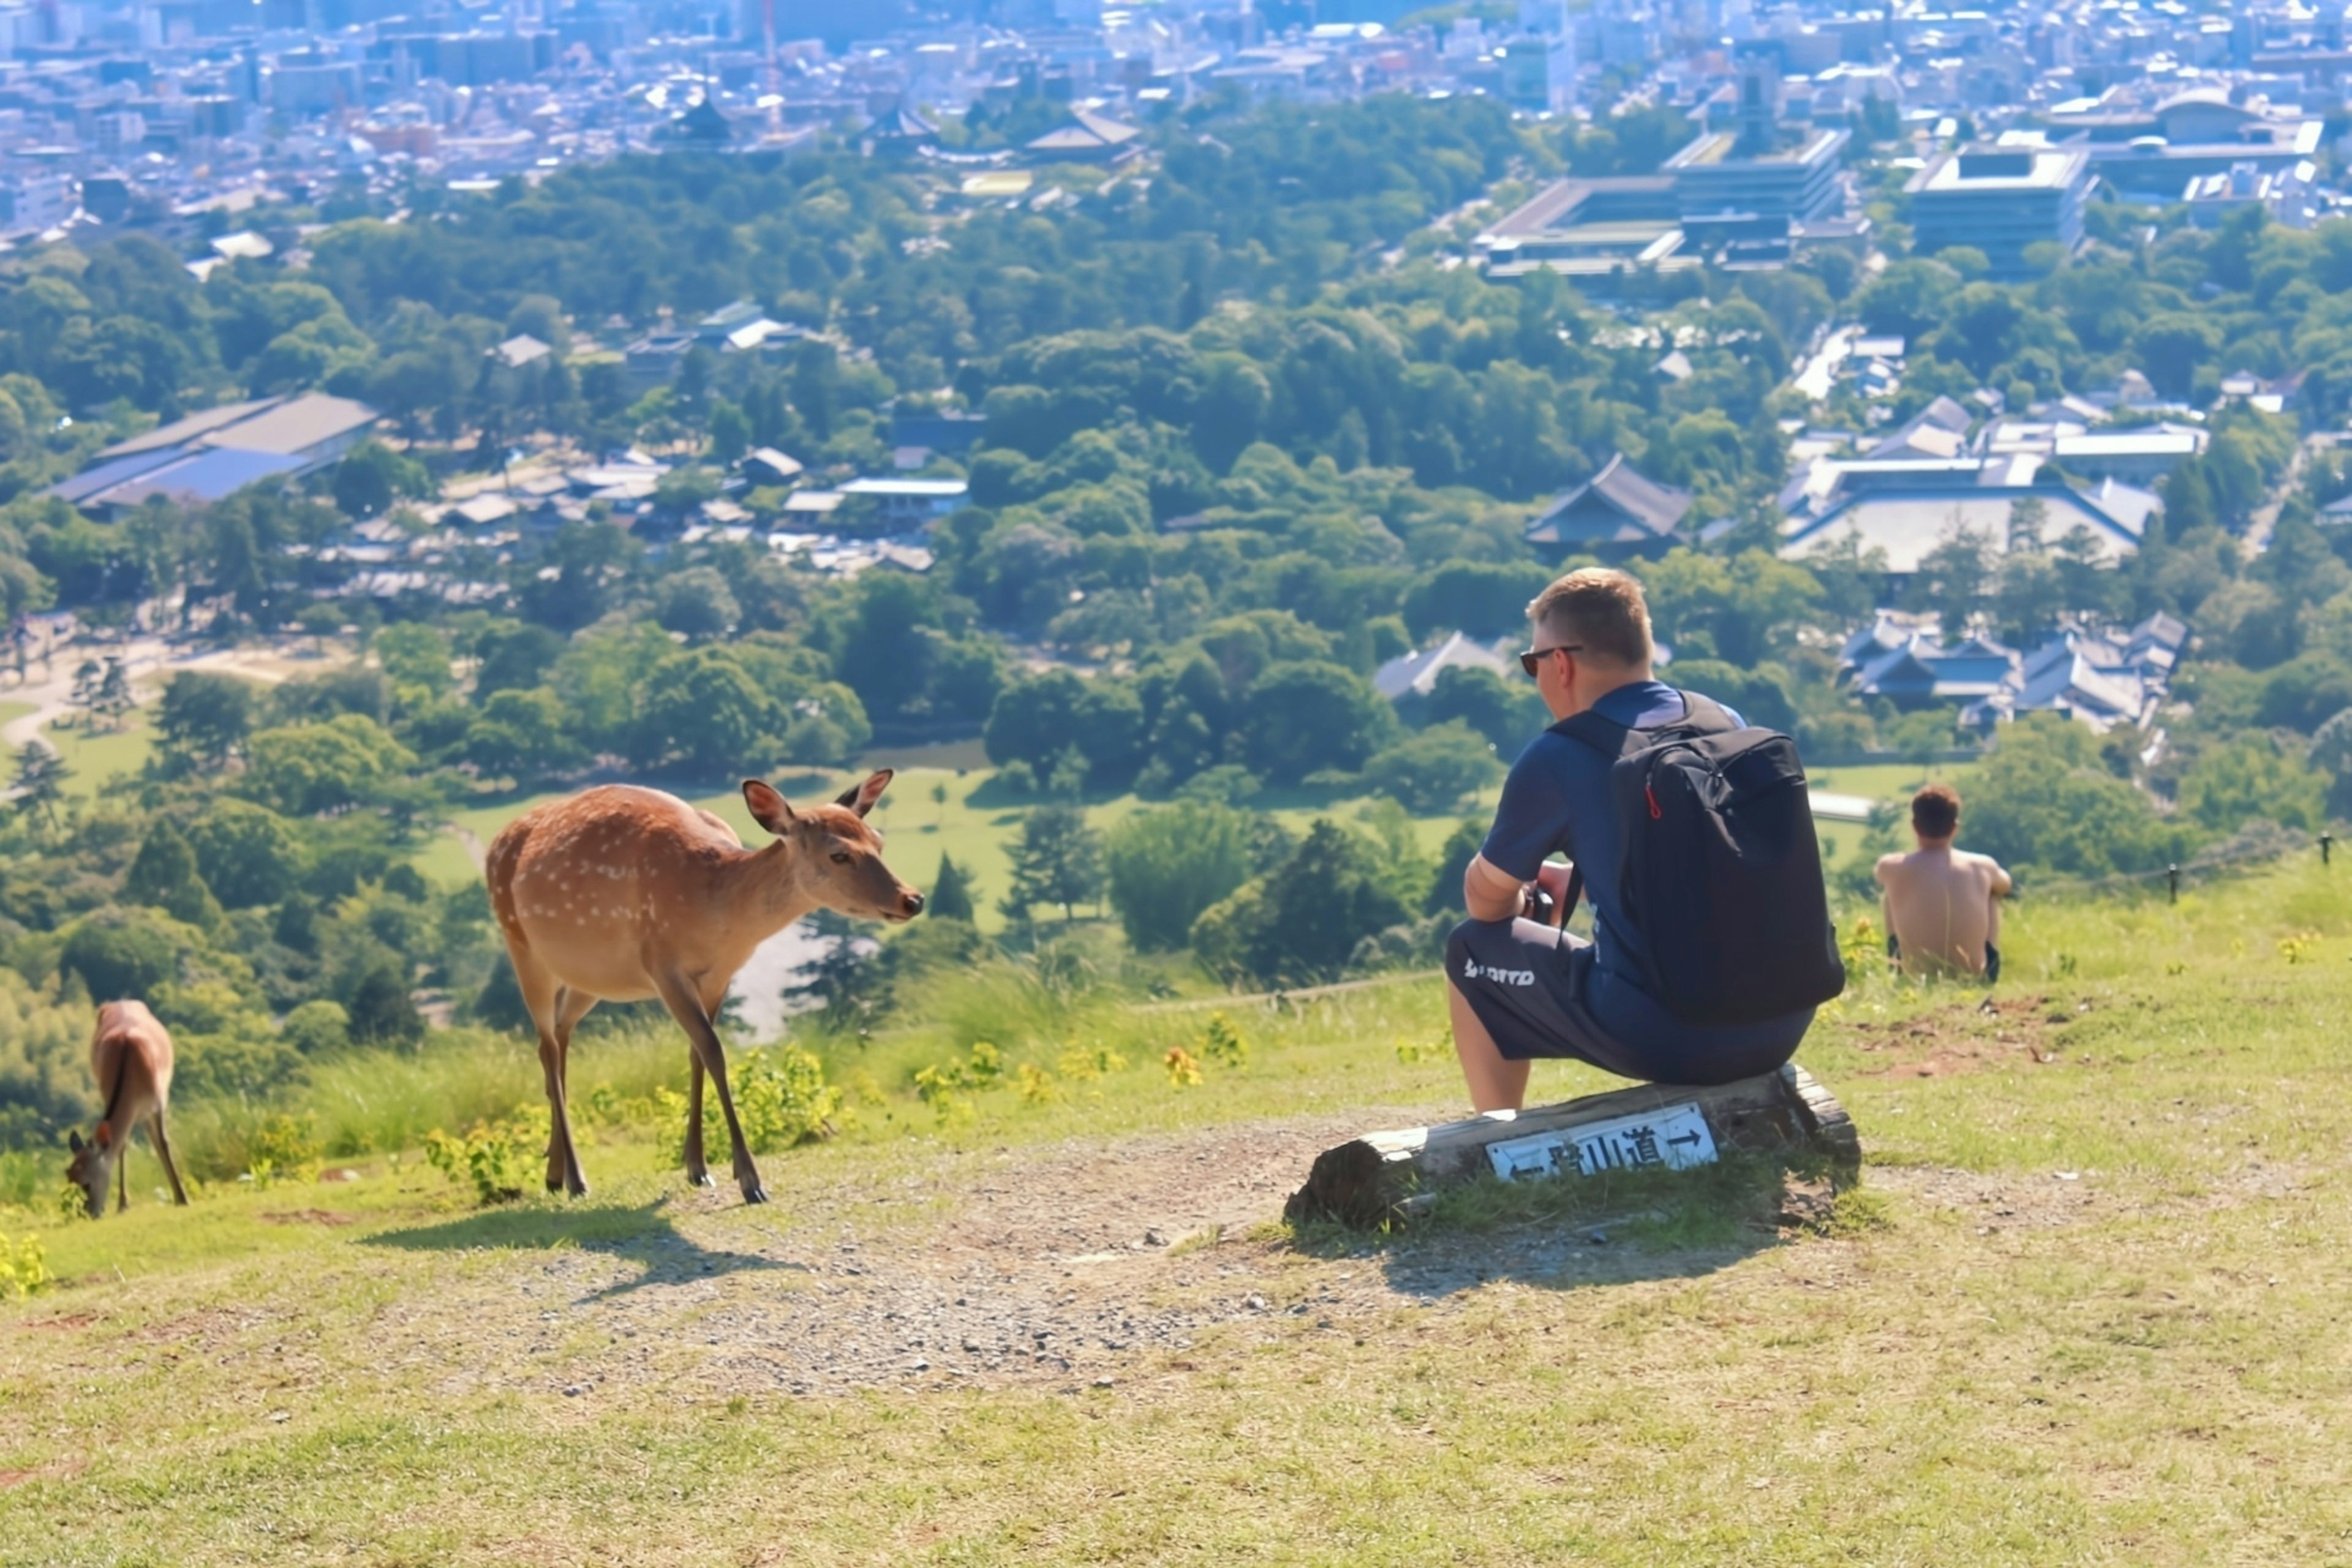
x,y
1495,1082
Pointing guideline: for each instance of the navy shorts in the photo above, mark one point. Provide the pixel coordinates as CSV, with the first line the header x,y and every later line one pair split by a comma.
x,y
1526,982
1530,985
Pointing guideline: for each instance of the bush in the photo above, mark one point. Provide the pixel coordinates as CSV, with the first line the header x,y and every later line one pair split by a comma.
x,y
780,1100
24,1269
498,1157
316,1027
1168,865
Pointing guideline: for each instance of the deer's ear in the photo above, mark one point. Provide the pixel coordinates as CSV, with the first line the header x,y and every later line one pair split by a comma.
x,y
860,798
768,809
73,1142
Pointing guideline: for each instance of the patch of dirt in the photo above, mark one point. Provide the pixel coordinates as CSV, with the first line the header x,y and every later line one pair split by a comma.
x,y
310,1216
1060,1266
1996,1202
1967,1037
63,1320
63,1470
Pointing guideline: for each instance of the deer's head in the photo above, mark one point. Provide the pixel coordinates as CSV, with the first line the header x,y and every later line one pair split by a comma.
x,y
836,855
93,1166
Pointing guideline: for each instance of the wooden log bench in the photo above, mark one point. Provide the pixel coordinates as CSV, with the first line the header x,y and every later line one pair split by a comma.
x,y
1787,1114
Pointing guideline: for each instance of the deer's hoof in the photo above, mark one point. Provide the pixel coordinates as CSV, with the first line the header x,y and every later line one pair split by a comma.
x,y
755,1195
699,1179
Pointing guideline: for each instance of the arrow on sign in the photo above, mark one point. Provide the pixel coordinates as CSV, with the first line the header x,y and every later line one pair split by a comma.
x,y
1691,1138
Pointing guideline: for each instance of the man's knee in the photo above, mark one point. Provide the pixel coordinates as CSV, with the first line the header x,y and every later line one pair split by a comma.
x,y
1457,952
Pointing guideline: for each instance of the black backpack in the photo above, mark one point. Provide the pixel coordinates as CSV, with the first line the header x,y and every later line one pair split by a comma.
x,y
1722,871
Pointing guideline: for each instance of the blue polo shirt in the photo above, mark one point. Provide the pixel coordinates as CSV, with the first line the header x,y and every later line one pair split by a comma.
x,y
1556,801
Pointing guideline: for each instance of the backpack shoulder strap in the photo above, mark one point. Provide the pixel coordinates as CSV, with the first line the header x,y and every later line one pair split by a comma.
x,y
1616,741
1604,735
1705,715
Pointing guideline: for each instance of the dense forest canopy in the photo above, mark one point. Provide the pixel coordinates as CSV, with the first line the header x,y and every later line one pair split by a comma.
x,y
1254,425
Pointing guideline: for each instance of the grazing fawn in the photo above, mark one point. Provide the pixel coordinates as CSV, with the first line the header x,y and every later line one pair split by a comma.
x,y
130,1057
619,894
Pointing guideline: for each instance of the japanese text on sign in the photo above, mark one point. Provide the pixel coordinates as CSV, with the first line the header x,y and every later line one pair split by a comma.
x,y
1674,1137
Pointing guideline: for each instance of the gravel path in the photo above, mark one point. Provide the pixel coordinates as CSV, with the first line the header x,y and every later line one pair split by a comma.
x,y
1072,1266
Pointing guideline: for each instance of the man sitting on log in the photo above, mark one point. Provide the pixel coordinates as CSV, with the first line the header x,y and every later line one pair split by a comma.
x,y
1942,904
1718,976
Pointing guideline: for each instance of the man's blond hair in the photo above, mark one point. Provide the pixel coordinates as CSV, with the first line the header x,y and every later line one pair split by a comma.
x,y
1600,608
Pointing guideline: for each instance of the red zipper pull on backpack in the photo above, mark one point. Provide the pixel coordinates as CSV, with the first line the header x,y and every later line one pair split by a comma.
x,y
1651,795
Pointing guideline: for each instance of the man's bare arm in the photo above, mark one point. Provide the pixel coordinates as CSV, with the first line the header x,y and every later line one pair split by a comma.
x,y
1490,893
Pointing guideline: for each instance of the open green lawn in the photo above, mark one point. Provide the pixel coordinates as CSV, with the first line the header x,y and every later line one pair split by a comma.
x,y
2088,1309
921,827
99,760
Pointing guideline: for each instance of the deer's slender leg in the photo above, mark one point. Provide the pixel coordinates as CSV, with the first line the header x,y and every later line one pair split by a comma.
x,y
570,1007
122,1173
171,1168
684,1006
540,994
697,1171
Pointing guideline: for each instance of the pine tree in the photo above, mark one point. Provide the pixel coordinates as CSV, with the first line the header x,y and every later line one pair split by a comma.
x,y
39,784
165,877
950,893
381,1009
1059,860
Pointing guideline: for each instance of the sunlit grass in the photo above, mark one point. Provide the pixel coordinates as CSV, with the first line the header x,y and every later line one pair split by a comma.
x,y
2125,1350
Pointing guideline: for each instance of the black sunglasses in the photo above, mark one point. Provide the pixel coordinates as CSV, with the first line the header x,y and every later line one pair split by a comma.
x,y
1532,660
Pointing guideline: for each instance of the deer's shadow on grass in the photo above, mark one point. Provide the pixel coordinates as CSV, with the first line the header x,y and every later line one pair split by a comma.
x,y
643,1234
1569,1233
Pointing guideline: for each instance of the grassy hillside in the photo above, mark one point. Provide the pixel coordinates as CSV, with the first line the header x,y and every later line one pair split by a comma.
x,y
2085,1309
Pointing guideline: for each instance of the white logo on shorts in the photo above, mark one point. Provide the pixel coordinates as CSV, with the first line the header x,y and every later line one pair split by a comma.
x,y
1473,970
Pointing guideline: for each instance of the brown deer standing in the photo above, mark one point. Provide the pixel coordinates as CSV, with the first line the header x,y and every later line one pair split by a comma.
x,y
130,1057
618,894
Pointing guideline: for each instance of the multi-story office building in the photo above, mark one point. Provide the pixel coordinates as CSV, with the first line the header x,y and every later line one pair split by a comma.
x,y
2000,200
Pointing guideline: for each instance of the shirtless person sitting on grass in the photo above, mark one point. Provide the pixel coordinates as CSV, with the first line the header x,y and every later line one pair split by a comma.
x,y
1942,904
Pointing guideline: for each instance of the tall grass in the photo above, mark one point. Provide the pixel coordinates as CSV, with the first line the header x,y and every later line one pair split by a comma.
x,y
377,1102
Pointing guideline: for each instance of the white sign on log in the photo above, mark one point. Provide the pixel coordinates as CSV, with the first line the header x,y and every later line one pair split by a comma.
x,y
1674,1137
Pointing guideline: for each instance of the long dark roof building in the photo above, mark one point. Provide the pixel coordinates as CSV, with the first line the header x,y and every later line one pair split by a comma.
x,y
1620,511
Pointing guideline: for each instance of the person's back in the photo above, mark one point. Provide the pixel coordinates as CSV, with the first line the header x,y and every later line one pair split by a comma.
x,y
1942,908
1522,990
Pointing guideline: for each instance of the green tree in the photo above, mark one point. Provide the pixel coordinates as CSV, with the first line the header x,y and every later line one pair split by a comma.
x,y
381,1011
2044,802
1462,845
702,710
951,891
696,603
164,876
1168,865
522,735
372,476
38,785
2252,778
1952,579
1430,772
1305,717
415,656
317,1027
1058,861
1297,924
302,770
246,854
123,952
203,718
